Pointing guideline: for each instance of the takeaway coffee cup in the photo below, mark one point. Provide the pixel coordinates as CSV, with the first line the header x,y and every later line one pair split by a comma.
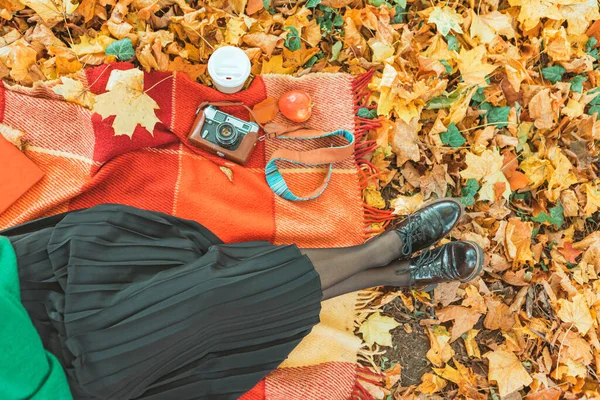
x,y
229,67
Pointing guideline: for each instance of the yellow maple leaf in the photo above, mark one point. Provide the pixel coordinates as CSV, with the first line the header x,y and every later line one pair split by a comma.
x,y
446,19
507,371
406,205
74,92
562,178
592,199
431,384
536,170
275,66
487,168
576,312
51,11
487,26
440,350
127,100
20,56
471,343
472,67
376,329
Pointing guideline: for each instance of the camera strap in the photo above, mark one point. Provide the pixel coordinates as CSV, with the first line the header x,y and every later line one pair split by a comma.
x,y
323,156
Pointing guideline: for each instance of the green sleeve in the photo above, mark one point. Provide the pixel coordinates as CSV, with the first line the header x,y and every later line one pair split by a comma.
x,y
27,371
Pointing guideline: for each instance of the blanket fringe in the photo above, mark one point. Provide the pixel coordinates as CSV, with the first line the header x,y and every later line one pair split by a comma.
x,y
365,376
376,220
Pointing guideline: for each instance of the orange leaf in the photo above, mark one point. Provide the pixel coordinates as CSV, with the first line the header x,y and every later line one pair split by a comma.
x,y
499,188
266,110
254,6
569,252
516,179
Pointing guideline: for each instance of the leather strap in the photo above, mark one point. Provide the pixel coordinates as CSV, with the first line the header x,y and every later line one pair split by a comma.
x,y
327,155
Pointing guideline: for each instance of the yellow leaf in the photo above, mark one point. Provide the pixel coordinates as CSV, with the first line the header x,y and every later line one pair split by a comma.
x,y
19,57
464,319
51,11
296,59
127,100
65,66
472,67
228,172
431,384
236,28
406,205
372,197
74,92
557,45
440,350
376,329
487,26
312,33
562,178
446,19
275,66
89,45
449,373
537,170
518,241
471,344
576,312
487,168
507,371
406,141
381,50
592,199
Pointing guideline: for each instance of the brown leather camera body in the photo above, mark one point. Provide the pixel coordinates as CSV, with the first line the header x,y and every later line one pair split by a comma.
x,y
240,155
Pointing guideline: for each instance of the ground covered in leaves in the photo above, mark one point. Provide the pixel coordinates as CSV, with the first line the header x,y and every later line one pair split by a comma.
x,y
493,102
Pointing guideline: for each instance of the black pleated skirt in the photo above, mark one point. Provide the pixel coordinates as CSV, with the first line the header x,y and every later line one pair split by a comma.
x,y
142,305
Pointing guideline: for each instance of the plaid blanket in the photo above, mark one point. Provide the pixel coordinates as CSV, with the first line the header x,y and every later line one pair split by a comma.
x,y
85,164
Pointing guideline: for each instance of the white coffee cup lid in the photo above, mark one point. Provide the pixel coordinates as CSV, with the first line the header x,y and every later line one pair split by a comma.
x,y
229,67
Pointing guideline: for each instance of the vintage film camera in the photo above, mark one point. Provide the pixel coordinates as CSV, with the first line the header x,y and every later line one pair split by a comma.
x,y
223,134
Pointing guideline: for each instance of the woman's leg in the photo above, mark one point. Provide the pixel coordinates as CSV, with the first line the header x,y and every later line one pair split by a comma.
x,y
390,275
337,264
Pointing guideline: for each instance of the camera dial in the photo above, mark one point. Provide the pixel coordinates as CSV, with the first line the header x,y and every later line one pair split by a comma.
x,y
227,135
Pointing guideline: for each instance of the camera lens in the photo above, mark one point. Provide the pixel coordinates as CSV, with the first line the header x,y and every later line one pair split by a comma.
x,y
227,136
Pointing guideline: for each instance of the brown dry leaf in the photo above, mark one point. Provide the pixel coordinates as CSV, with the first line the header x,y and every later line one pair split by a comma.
x,y
266,110
507,371
499,315
194,71
392,375
125,98
576,312
267,43
254,6
440,350
518,241
464,319
447,292
540,109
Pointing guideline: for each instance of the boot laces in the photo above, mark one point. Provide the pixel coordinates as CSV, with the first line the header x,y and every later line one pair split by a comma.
x,y
410,233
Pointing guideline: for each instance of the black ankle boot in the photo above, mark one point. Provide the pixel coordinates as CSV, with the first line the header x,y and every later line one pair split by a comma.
x,y
427,226
455,261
